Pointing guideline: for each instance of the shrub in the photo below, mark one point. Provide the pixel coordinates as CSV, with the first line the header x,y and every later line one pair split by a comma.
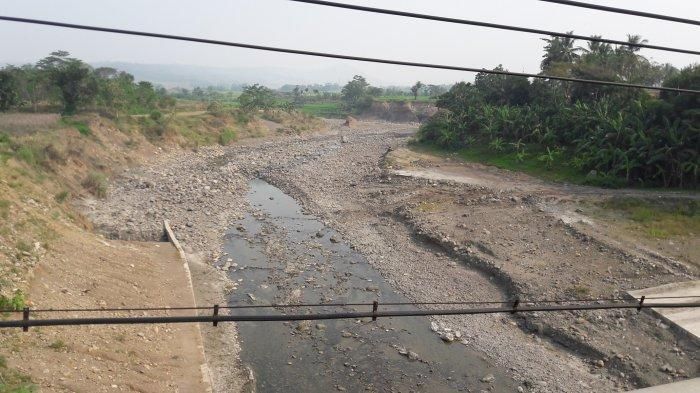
x,y
58,345
242,117
227,136
82,128
96,184
26,154
61,196
156,115
16,302
215,108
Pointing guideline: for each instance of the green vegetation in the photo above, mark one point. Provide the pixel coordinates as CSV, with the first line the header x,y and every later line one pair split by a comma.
x,y
12,381
58,345
227,136
256,97
16,302
330,110
27,154
584,133
400,98
96,184
60,80
4,208
33,153
80,126
659,219
62,196
357,95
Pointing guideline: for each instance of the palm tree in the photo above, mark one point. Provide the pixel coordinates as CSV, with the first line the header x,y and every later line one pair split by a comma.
x,y
601,50
634,41
559,50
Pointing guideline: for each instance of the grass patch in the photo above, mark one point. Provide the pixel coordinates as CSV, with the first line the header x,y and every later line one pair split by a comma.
x,y
658,219
80,126
61,196
23,246
227,136
331,110
96,184
12,381
58,345
535,161
27,154
4,208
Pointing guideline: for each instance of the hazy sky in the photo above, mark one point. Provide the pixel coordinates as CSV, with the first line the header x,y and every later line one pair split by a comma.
x,y
287,24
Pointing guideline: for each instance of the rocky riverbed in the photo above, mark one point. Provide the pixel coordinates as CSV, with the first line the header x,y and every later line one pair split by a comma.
x,y
431,240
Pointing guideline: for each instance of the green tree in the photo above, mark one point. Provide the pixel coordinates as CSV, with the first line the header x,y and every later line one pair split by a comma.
x,y
9,95
436,90
72,77
503,89
415,89
559,52
256,97
355,95
33,84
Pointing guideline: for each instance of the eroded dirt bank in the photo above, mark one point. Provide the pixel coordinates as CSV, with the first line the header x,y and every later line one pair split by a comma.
x,y
433,240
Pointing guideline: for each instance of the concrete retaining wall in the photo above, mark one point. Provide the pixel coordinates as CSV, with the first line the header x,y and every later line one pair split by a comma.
x,y
204,367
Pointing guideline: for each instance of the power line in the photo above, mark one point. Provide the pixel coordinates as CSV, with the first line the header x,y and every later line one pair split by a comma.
x,y
493,25
340,56
26,323
624,11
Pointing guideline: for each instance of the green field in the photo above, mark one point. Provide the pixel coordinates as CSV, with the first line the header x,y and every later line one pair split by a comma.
x,y
330,110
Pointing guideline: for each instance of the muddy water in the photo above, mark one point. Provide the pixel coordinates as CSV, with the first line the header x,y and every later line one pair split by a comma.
x,y
282,255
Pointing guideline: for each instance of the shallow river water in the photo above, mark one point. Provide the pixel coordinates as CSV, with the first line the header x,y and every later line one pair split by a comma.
x,y
281,255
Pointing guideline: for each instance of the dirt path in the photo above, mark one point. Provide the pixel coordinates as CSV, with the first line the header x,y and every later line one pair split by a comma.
x,y
435,239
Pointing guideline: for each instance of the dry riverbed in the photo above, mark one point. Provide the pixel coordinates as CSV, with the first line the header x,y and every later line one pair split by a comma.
x,y
432,238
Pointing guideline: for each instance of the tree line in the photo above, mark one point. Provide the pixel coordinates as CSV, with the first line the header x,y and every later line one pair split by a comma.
x,y
616,135
59,80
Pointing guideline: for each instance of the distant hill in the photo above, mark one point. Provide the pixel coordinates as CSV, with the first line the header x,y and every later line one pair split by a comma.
x,y
189,76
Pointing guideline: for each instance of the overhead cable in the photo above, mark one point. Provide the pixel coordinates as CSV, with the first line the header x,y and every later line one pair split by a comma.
x,y
341,56
624,11
496,26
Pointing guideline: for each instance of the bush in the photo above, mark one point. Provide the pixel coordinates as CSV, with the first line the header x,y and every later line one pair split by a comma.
x,y
215,108
227,136
242,117
16,302
82,128
61,196
58,345
96,184
156,116
27,154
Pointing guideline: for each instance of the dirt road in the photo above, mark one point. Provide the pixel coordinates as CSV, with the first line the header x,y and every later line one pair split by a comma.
x,y
431,238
